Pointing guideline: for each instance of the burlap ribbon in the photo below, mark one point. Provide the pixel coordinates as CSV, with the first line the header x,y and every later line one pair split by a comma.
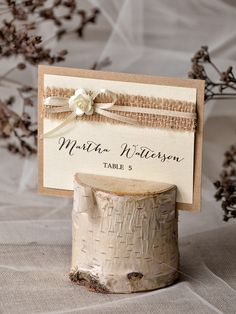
x,y
144,111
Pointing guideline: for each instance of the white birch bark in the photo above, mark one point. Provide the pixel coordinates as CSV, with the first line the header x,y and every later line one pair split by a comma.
x,y
125,234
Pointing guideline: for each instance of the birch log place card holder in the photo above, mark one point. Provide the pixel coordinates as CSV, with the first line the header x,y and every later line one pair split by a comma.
x,y
129,148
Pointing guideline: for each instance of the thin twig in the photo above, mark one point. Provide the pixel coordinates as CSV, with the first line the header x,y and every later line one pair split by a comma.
x,y
3,77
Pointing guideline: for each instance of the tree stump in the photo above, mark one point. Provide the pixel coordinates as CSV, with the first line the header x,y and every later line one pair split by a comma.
x,y
125,234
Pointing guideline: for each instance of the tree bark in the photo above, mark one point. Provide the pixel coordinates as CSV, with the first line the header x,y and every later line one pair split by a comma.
x,y
125,234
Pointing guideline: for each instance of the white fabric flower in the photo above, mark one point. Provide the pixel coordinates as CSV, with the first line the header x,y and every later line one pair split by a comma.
x,y
81,103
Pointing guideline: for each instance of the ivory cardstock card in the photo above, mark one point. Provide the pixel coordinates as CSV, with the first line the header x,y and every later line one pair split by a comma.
x,y
120,125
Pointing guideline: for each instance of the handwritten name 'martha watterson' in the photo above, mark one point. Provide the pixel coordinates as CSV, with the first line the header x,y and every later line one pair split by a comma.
x,y
127,151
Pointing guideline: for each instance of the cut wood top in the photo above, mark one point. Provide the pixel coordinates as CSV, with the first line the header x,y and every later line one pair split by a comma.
x,y
121,186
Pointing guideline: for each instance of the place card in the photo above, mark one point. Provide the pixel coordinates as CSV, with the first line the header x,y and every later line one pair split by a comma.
x,y
120,125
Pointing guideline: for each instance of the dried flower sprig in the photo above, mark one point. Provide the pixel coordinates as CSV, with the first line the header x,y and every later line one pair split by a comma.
x,y
226,186
16,41
21,127
19,21
222,88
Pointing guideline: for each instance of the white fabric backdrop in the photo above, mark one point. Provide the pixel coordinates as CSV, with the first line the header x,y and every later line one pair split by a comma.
x,y
150,37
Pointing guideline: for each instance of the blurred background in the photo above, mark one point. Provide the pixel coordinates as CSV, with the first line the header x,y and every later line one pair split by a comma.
x,y
135,36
